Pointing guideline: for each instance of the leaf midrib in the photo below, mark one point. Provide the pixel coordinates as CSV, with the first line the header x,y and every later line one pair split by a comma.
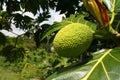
x,y
99,61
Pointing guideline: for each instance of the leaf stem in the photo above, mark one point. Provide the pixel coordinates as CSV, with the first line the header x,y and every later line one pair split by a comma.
x,y
113,13
111,30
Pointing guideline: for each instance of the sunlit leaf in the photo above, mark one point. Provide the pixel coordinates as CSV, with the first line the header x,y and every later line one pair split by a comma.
x,y
110,5
105,65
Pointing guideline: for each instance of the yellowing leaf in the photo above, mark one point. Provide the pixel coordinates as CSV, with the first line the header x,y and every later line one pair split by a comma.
x,y
98,10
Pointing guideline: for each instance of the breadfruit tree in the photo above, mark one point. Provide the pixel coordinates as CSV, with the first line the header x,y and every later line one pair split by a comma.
x,y
39,7
98,57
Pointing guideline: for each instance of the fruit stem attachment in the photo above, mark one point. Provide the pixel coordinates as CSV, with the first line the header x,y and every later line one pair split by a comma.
x,y
111,30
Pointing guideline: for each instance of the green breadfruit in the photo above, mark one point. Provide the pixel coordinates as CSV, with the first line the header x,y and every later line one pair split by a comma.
x,y
73,40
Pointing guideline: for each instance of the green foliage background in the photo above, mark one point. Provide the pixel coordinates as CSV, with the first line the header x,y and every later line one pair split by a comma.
x,y
28,56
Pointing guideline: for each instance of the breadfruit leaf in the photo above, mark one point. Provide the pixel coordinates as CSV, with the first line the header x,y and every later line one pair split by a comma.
x,y
104,65
114,8
112,4
72,19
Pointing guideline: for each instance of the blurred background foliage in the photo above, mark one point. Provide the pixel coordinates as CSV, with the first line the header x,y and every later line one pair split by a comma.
x,y
30,55
37,7
27,56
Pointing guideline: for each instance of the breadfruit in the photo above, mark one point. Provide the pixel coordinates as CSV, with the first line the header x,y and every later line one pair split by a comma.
x,y
73,39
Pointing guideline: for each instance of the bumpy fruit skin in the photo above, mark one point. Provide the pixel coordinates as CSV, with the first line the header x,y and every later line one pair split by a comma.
x,y
73,40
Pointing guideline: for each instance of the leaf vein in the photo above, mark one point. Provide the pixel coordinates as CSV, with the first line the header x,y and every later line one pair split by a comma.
x,y
93,68
114,58
108,78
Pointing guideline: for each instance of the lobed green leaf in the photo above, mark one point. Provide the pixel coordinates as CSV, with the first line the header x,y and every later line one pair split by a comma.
x,y
105,65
